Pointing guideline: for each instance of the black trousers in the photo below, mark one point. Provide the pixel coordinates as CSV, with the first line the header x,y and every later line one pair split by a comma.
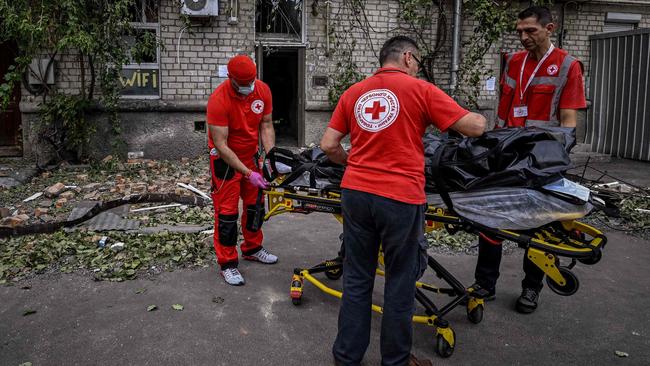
x,y
368,221
489,261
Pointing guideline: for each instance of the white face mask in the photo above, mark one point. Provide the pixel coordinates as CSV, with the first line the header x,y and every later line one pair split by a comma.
x,y
244,90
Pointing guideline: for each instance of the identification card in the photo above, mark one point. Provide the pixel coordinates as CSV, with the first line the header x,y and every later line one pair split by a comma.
x,y
521,111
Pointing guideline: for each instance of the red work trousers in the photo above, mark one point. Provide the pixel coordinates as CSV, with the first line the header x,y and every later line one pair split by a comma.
x,y
228,186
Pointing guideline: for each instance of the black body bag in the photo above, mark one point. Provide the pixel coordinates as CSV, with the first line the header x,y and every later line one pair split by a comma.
x,y
513,157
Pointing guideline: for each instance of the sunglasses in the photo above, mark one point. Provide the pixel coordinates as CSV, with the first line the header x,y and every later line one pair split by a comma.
x,y
421,68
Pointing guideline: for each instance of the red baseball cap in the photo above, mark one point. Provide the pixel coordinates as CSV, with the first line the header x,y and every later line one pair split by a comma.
x,y
242,69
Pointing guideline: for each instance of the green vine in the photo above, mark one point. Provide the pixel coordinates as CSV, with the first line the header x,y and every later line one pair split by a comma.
x,y
416,19
92,30
349,18
346,74
494,18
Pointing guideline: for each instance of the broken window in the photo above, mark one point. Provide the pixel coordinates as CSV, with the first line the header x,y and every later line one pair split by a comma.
x,y
279,18
141,77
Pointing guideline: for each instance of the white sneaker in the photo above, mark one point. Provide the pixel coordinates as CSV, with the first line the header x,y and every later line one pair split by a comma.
x,y
263,256
233,277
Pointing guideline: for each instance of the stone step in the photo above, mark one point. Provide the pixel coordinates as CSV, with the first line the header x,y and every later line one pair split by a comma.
x,y
581,147
578,158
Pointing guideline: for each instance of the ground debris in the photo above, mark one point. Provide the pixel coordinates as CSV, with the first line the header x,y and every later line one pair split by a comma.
x,y
145,255
54,190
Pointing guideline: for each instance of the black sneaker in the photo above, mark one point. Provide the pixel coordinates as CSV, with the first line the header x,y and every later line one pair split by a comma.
x,y
527,302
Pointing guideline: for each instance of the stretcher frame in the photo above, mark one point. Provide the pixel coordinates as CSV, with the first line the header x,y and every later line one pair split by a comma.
x,y
571,239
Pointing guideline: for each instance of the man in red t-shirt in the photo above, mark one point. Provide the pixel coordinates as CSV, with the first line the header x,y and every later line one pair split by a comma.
x,y
541,86
383,197
238,112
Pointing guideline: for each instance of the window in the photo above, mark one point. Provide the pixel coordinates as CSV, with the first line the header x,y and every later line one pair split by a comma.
x,y
141,77
618,22
281,19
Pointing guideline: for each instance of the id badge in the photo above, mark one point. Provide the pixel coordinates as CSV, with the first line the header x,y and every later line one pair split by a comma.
x,y
521,111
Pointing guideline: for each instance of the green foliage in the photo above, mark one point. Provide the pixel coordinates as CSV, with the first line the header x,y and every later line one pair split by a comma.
x,y
346,75
63,123
95,30
494,18
67,252
418,17
459,241
342,47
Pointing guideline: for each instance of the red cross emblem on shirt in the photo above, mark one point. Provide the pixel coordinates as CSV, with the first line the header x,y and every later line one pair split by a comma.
x,y
376,109
257,106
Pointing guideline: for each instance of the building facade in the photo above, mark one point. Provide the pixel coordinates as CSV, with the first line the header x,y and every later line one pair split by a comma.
x,y
302,48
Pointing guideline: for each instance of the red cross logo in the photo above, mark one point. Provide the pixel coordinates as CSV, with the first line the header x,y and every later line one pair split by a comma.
x,y
376,109
257,106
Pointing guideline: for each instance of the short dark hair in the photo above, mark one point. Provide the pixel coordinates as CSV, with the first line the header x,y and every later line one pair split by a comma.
x,y
541,13
395,47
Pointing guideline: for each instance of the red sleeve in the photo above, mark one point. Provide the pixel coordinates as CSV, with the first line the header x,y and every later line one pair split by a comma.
x,y
339,119
217,111
573,94
442,110
267,99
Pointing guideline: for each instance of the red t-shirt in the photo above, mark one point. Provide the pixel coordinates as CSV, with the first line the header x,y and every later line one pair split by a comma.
x,y
538,98
241,114
386,116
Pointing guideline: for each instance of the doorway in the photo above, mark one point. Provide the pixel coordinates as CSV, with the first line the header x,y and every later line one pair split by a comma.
x,y
282,68
10,119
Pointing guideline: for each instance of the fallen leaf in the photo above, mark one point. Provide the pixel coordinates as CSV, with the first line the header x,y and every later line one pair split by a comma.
x,y
151,307
29,312
25,364
621,354
178,307
141,291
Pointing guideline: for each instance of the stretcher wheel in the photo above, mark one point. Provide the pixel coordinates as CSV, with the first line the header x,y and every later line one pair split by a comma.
x,y
443,348
334,274
296,290
598,255
571,286
475,315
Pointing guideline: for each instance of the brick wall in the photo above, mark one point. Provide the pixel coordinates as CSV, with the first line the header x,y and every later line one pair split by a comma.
x,y
187,71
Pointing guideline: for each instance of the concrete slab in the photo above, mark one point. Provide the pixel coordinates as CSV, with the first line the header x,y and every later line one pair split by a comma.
x,y
633,171
81,322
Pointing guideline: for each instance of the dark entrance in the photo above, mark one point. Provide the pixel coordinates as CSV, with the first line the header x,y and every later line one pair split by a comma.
x,y
10,138
283,70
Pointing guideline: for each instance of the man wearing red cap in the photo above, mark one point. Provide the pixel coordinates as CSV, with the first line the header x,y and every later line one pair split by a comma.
x,y
238,114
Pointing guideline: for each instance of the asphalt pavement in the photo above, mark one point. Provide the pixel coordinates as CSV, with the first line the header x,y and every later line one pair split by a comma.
x,y
77,321
82,322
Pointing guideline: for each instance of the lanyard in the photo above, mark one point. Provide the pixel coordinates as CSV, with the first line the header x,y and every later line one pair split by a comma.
x,y
521,73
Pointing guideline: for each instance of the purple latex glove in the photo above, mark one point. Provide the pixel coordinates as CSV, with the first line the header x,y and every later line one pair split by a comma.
x,y
257,180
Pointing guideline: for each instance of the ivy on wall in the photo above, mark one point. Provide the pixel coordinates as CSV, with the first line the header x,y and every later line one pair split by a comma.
x,y
426,21
94,31
494,18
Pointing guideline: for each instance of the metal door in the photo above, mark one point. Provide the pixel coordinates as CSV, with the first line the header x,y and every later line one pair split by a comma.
x,y
617,123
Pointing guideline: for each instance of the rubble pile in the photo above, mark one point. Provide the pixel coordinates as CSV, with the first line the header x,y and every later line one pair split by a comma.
x,y
146,247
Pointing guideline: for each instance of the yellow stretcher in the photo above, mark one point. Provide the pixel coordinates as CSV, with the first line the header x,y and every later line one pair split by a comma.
x,y
572,240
